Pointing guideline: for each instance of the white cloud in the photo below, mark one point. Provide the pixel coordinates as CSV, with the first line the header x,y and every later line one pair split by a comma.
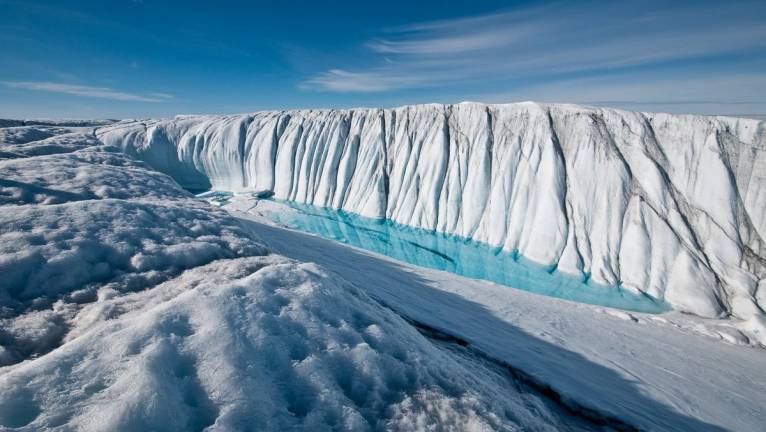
x,y
449,44
87,91
371,81
548,42
161,95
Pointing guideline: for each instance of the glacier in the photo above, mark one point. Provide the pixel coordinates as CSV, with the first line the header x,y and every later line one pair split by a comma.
x,y
128,304
671,206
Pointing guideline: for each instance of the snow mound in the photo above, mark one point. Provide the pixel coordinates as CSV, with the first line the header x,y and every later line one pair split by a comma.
x,y
670,206
50,251
33,141
258,343
77,225
84,175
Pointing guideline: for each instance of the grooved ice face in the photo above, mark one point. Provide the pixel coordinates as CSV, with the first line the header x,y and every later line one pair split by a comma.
x,y
670,206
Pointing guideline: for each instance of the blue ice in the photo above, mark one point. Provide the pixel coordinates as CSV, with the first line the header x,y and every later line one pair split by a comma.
x,y
460,256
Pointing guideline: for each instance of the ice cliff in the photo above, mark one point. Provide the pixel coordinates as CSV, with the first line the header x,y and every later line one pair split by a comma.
x,y
671,206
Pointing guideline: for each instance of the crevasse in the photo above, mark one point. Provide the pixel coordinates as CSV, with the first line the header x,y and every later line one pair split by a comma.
x,y
672,206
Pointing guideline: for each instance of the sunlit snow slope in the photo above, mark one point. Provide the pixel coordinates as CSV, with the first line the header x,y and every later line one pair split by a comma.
x,y
672,206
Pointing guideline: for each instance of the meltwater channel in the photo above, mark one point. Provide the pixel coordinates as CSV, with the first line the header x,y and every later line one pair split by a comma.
x,y
453,254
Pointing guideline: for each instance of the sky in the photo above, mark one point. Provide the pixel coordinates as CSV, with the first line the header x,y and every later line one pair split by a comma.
x,y
146,58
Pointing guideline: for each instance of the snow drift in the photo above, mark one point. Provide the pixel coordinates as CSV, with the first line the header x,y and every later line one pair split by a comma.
x,y
671,206
83,221
260,343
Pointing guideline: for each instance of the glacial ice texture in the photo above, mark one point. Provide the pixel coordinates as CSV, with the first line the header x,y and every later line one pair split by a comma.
x,y
671,206
454,254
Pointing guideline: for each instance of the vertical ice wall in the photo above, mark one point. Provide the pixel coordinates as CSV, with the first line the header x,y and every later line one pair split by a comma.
x,y
672,206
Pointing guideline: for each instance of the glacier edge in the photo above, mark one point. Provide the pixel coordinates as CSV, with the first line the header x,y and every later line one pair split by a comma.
x,y
667,205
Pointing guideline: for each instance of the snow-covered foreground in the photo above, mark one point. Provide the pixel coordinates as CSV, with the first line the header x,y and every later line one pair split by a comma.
x,y
260,343
128,304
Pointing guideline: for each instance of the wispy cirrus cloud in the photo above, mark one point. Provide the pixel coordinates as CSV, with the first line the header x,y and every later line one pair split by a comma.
x,y
553,40
368,81
88,91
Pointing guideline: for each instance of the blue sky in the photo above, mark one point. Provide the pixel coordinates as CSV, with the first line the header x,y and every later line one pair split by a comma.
x,y
147,58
